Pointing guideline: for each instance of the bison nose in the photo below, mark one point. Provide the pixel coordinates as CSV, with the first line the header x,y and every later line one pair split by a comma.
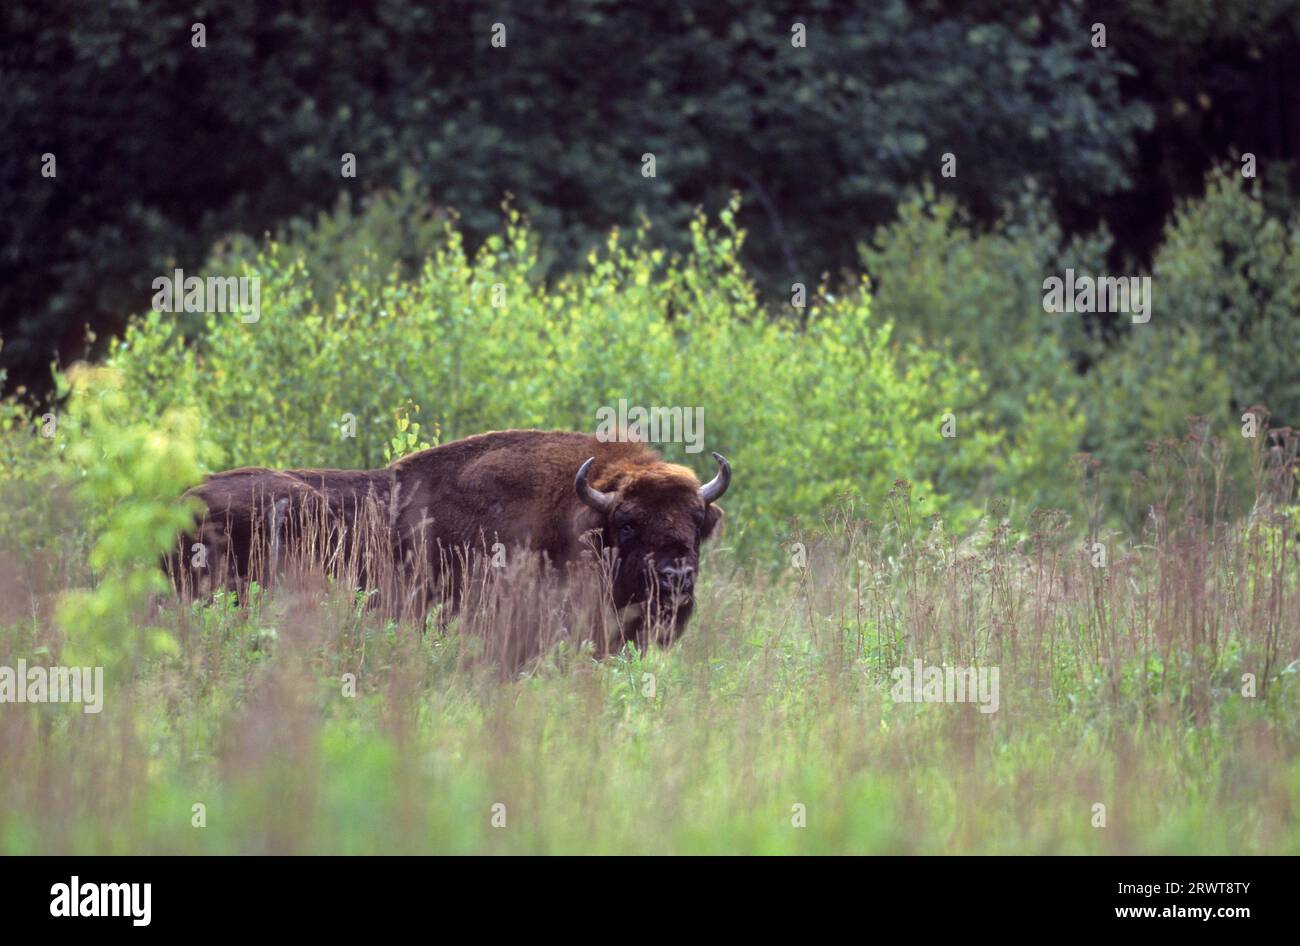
x,y
678,579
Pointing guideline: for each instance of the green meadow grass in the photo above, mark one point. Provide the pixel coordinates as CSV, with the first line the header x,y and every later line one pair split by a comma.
x,y
1119,686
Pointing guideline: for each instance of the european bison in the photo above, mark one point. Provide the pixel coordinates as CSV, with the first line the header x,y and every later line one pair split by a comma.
x,y
561,497
564,495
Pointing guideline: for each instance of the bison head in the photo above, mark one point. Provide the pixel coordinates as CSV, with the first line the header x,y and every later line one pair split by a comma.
x,y
654,518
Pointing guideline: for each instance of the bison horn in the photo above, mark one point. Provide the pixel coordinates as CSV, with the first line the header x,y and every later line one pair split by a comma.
x,y
712,490
592,497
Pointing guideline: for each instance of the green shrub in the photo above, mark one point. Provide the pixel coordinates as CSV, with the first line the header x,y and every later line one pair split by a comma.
x,y
1225,287
841,397
807,404
1144,391
1229,269
43,540
976,295
1225,290
127,476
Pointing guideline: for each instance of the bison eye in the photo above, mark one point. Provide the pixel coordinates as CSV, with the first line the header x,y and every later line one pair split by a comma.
x,y
626,533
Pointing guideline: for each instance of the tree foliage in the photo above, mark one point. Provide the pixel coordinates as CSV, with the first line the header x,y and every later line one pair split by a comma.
x,y
163,147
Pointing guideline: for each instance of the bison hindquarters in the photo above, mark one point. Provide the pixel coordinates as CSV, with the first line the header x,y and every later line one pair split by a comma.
x,y
259,524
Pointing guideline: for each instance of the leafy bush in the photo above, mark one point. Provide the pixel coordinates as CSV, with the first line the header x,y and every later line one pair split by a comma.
x,y
843,396
807,404
1229,269
975,294
103,489
1225,284
128,479
1226,289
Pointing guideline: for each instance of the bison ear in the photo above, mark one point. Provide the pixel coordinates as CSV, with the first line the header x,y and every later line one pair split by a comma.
x,y
712,521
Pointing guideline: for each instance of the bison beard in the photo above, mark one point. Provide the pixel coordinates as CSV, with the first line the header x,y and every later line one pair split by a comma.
x,y
568,500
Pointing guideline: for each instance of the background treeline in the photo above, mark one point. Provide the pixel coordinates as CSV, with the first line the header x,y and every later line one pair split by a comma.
x,y
163,148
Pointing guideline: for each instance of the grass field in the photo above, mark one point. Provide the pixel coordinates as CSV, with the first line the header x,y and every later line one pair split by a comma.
x,y
771,728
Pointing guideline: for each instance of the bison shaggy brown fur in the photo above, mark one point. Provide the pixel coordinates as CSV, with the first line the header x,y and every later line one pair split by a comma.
x,y
563,498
